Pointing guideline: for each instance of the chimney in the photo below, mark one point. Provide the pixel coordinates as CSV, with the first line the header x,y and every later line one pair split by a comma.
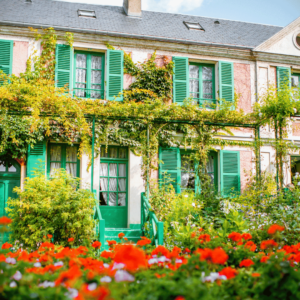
x,y
133,8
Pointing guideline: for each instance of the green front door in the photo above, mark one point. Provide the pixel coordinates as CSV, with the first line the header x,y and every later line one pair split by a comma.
x,y
9,179
114,186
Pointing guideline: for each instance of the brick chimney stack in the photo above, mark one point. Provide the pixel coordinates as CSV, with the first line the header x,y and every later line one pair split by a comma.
x,y
133,8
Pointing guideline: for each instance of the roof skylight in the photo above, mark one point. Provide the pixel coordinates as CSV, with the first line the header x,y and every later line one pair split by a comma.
x,y
193,26
86,13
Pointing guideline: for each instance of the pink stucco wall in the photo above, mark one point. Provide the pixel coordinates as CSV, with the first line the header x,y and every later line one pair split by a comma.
x,y
296,129
242,84
246,167
20,56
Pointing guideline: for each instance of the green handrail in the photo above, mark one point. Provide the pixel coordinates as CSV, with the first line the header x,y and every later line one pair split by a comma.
x,y
100,225
149,219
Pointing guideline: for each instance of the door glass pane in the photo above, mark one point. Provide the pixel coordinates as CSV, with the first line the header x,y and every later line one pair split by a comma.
x,y
104,169
71,154
210,168
194,71
12,169
122,199
112,170
187,173
113,184
122,170
113,152
2,166
103,198
112,199
71,169
55,153
104,184
207,73
122,153
122,185
103,151
96,62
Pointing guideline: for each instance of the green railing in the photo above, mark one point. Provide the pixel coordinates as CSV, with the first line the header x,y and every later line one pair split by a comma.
x,y
100,224
150,223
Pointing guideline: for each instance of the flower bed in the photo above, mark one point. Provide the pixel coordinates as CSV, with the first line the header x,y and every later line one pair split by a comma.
x,y
231,268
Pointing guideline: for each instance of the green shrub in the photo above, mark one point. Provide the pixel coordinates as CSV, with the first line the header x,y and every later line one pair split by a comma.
x,y
52,206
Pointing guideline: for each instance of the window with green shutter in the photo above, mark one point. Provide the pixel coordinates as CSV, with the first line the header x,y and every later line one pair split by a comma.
x,y
202,83
36,159
115,73
230,172
283,77
89,74
63,68
226,81
6,56
63,156
295,80
180,79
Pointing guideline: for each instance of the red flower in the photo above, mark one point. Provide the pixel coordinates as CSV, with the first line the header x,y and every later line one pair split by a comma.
x,y
49,236
250,245
131,256
68,277
70,240
144,241
96,245
161,251
246,263
216,256
255,275
187,250
5,221
6,246
235,236
107,254
264,259
179,298
193,235
229,272
268,244
274,228
204,238
246,236
121,235
110,243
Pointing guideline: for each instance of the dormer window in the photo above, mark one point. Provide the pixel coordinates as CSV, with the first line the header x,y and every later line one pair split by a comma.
x,y
298,39
87,13
193,26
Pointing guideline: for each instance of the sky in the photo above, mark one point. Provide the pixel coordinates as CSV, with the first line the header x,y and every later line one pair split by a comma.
x,y
272,12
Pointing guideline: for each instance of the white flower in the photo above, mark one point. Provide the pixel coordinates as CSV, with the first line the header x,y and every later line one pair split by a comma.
x,y
92,286
58,264
186,196
295,110
72,293
163,259
298,183
17,276
13,284
152,261
10,260
37,264
122,275
213,277
105,279
260,115
106,266
47,284
178,261
118,266
193,204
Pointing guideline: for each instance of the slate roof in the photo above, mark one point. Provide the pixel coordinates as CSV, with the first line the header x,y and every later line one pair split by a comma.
x,y
111,20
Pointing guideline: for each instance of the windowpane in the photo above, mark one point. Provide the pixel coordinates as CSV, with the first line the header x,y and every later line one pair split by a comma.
x,y
81,75
96,62
194,71
113,152
207,73
113,184
103,184
112,199
54,167
122,199
122,170
55,153
2,166
112,170
194,88
122,185
103,198
80,90
71,169
103,152
104,169
207,87
122,152
71,154
295,81
12,169
187,173
80,60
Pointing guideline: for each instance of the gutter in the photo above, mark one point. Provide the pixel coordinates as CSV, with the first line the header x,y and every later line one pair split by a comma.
x,y
124,35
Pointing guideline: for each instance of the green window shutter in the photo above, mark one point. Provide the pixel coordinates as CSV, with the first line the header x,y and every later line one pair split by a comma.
x,y
115,73
180,79
170,168
63,68
6,56
36,159
226,81
283,77
230,172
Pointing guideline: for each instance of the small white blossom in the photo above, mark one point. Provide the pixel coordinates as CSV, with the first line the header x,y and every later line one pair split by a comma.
x,y
47,284
17,276
152,261
58,264
105,279
186,196
92,286
10,260
163,259
13,284
37,264
118,266
122,275
213,277
193,204
106,266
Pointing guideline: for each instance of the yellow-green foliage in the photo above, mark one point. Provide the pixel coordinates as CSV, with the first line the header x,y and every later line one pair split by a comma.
x,y
52,206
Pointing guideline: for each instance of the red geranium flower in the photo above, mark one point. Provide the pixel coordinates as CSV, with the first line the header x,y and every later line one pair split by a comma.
x,y
107,254
274,228
49,236
110,243
264,259
6,246
255,275
121,235
268,244
246,236
229,272
70,240
235,236
246,263
250,245
204,238
96,245
144,241
160,250
216,256
5,221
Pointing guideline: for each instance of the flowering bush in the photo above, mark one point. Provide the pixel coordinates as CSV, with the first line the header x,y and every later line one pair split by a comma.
x,y
217,269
